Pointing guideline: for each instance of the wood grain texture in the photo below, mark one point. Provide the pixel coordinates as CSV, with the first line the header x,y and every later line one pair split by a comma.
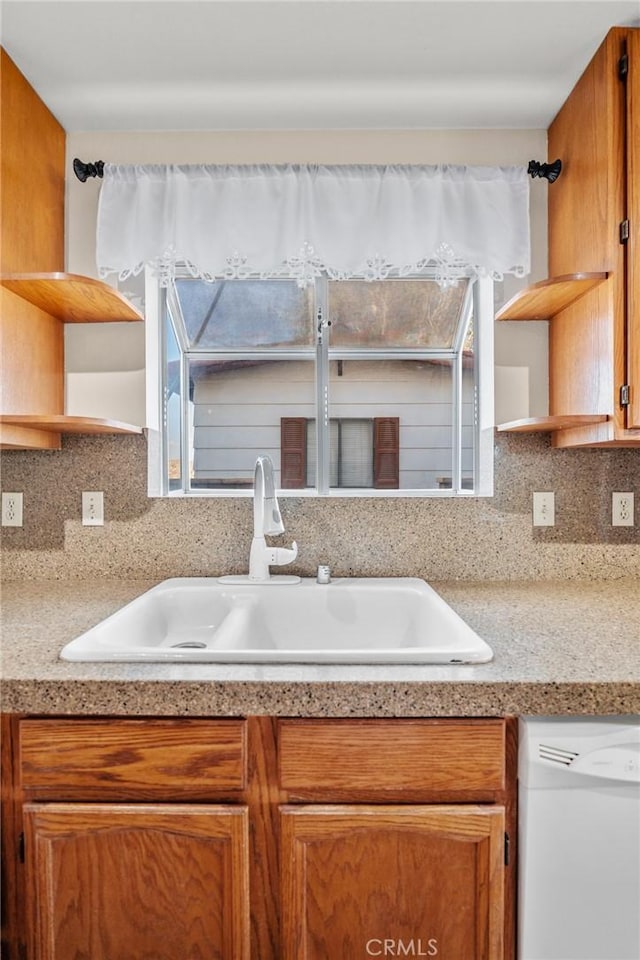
x,y
545,424
132,759
598,435
633,212
137,882
31,359
509,801
406,759
586,206
31,238
64,424
354,876
263,798
170,760
541,301
11,872
71,298
26,438
32,177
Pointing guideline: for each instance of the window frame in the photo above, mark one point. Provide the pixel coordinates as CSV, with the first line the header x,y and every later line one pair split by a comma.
x,y
158,299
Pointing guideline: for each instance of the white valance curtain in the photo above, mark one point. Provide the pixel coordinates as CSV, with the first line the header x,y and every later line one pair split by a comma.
x,y
303,221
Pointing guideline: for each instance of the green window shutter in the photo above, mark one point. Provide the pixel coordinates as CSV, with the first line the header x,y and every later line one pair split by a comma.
x,y
293,452
386,453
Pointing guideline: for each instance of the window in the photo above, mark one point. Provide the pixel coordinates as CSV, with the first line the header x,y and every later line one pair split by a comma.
x,y
352,387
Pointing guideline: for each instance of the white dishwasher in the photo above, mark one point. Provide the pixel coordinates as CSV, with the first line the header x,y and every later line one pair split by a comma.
x,y
579,838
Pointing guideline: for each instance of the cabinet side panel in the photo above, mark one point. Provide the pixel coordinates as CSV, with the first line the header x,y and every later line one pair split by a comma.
x,y
581,342
11,887
31,358
32,178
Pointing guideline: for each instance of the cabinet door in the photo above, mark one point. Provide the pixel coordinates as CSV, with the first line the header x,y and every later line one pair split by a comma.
x,y
360,881
633,212
116,882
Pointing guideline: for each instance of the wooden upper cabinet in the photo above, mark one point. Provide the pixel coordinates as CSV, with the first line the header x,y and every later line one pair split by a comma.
x,y
633,245
32,171
587,205
31,239
594,342
36,298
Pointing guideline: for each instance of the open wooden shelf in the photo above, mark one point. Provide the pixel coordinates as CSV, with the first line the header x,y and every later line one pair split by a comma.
x,y
540,424
32,432
72,298
59,423
541,301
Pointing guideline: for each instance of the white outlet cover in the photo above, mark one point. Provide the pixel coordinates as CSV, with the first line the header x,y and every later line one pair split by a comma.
x,y
544,509
92,508
622,509
12,509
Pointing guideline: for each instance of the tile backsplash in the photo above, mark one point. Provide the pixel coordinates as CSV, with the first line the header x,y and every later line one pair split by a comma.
x,y
438,539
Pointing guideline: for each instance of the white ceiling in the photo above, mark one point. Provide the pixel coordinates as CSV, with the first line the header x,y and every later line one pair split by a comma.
x,y
314,64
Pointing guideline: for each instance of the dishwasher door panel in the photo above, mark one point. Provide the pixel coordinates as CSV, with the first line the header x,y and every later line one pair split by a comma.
x,y
579,873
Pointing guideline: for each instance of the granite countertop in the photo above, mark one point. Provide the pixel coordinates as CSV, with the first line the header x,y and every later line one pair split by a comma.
x,y
561,647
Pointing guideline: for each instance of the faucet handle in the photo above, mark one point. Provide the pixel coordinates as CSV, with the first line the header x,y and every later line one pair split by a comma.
x,y
281,556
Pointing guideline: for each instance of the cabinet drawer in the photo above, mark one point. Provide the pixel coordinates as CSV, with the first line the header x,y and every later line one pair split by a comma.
x,y
132,759
379,758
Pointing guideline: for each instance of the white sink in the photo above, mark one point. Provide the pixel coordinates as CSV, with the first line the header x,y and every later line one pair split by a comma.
x,y
351,620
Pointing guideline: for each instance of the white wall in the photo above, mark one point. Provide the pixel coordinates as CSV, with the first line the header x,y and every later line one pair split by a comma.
x,y
517,345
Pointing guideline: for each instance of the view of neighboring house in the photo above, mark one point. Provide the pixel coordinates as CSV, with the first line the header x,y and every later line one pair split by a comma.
x,y
385,378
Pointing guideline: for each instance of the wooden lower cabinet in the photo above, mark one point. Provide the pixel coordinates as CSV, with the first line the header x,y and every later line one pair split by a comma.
x,y
258,839
392,881
148,882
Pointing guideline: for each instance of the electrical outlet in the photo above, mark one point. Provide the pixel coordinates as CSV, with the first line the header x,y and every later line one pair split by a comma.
x,y
622,509
544,509
92,508
11,509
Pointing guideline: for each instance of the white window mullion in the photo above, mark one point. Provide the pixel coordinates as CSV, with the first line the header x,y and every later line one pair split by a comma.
x,y
156,386
186,446
456,425
323,439
483,311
